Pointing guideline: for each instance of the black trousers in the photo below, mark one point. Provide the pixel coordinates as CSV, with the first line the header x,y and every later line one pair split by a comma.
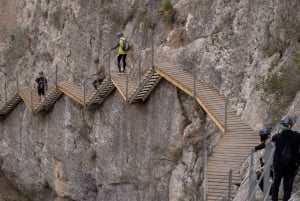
x,y
261,183
41,91
122,57
96,83
288,179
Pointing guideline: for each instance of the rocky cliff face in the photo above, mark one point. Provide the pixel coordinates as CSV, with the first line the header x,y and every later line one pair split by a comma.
x,y
249,50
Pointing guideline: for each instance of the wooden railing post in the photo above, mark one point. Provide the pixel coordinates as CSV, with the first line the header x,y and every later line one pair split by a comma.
x,y
152,51
84,92
5,92
205,186
126,87
194,83
55,75
230,185
139,77
17,82
225,121
109,64
31,99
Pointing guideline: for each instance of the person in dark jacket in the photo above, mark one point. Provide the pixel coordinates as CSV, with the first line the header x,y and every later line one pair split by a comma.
x,y
290,138
42,85
265,135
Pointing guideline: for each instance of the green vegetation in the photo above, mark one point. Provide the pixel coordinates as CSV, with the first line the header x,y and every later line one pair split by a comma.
x,y
167,12
281,87
276,85
296,59
167,6
173,153
46,56
176,153
160,150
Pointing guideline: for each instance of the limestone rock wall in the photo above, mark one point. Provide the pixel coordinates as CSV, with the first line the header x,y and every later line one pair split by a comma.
x,y
249,50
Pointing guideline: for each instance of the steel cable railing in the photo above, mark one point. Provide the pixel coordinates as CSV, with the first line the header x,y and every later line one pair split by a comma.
x,y
265,175
253,182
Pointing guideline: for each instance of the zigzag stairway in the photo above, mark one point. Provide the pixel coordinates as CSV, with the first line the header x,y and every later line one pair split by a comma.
x,y
230,152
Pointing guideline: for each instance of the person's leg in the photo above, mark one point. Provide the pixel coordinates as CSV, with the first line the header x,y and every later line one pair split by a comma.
x,y
288,180
276,184
100,81
261,183
43,94
95,84
124,62
39,94
119,60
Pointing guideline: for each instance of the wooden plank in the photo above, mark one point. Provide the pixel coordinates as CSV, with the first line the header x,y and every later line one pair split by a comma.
x,y
70,94
189,92
118,86
216,178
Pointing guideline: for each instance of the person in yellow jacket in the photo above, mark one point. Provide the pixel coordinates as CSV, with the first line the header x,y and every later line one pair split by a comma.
x,y
122,54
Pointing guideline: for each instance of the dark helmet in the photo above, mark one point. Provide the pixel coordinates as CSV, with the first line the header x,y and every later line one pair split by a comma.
x,y
286,121
41,73
264,133
266,130
120,34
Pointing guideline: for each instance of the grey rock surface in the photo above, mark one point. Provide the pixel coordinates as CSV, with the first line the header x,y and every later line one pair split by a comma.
x,y
151,150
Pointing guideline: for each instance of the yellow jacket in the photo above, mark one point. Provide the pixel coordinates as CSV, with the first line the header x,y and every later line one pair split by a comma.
x,y
120,49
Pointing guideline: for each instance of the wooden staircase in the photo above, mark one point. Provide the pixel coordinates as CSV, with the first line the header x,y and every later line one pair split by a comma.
x,y
237,141
9,105
87,99
30,98
124,85
72,90
99,95
147,84
232,149
50,98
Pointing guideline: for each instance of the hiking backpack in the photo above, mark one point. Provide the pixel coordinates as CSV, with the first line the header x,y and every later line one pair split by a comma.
x,y
41,83
287,158
125,46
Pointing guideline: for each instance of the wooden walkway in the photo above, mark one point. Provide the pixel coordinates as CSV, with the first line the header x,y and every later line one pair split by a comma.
x,y
124,87
87,98
237,141
9,105
99,95
232,149
31,99
50,98
75,92
150,79
72,90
